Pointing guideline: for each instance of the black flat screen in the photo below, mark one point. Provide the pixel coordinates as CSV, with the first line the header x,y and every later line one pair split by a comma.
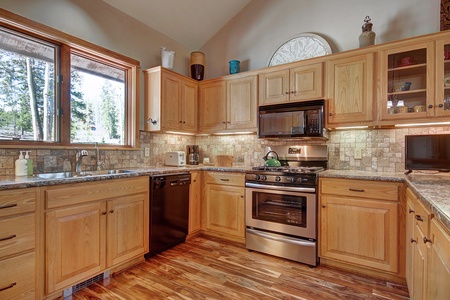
x,y
427,152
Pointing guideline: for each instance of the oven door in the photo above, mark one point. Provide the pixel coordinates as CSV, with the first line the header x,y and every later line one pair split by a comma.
x,y
286,210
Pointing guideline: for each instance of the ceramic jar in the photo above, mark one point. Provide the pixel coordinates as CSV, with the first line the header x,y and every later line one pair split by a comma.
x,y
367,37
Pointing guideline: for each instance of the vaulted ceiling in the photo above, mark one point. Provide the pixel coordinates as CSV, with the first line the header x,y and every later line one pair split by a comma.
x,y
189,22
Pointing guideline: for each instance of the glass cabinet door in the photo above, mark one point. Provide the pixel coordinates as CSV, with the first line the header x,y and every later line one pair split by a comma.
x,y
442,78
406,83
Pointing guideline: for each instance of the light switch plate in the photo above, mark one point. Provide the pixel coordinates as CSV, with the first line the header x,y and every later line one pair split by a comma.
x,y
147,151
357,153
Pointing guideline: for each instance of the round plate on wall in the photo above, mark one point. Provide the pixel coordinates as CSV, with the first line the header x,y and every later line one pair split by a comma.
x,y
304,46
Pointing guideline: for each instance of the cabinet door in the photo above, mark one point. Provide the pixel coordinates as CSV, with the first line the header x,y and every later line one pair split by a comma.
x,y
438,279
189,105
170,102
242,103
419,256
75,244
225,209
350,88
212,115
411,240
442,99
195,220
361,232
274,87
306,82
127,228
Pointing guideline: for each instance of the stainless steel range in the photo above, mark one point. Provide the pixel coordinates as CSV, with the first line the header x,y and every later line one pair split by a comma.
x,y
281,204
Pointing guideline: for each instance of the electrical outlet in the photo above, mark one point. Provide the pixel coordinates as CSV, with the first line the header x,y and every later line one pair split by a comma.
x,y
357,153
147,151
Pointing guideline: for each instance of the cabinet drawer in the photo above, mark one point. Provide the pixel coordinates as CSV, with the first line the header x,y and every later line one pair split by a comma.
x,y
360,188
422,217
16,202
17,277
16,234
93,191
225,178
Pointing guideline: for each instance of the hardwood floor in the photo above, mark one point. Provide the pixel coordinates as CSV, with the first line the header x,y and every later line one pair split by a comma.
x,y
211,268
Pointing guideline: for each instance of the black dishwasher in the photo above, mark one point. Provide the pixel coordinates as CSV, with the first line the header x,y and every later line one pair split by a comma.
x,y
169,211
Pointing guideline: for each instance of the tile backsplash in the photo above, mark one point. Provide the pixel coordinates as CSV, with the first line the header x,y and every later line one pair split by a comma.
x,y
381,150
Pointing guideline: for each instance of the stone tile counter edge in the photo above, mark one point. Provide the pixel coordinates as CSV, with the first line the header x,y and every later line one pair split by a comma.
x,y
428,187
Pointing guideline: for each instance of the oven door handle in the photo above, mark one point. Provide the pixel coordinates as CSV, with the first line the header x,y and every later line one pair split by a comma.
x,y
279,188
284,239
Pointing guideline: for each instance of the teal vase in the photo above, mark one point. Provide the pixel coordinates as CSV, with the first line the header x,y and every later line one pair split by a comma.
x,y
234,66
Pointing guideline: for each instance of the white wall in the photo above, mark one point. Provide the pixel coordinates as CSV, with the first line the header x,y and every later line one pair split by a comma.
x,y
255,34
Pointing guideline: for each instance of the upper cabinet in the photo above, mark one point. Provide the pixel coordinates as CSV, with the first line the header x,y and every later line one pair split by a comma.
x,y
350,89
290,85
407,90
442,98
228,105
170,101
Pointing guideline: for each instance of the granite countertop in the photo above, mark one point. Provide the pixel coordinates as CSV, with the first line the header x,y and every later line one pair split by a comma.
x,y
430,188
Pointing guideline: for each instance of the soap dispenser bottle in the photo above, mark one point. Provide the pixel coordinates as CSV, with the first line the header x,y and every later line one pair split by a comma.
x,y
29,163
21,165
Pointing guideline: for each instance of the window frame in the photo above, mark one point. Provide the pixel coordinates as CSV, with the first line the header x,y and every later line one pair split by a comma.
x,y
70,44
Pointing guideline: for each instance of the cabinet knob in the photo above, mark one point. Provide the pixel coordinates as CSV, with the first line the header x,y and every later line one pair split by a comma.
x,y
413,241
419,218
430,106
411,211
104,213
287,93
441,105
180,122
150,120
293,92
425,240
8,287
224,122
323,206
331,114
111,211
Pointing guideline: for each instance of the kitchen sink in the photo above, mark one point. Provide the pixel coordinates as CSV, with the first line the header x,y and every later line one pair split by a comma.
x,y
80,174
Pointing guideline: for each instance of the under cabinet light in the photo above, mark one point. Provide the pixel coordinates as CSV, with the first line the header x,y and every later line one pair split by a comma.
x,y
422,124
351,127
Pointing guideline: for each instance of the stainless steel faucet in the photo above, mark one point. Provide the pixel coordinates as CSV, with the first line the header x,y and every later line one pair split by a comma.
x,y
97,157
79,158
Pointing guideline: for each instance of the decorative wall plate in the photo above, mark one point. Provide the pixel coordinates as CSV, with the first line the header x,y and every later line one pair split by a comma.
x,y
304,46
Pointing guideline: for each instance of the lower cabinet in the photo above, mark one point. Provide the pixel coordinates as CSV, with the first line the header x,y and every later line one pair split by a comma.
x,y
224,205
195,207
428,255
91,227
359,223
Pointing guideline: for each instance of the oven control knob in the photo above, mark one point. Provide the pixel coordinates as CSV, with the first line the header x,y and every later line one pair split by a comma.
x,y
256,177
291,179
264,177
278,178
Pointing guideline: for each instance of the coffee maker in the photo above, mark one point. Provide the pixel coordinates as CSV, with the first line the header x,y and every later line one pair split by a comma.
x,y
192,154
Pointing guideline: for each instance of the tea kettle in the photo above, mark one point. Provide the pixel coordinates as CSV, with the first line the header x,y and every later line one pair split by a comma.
x,y
271,162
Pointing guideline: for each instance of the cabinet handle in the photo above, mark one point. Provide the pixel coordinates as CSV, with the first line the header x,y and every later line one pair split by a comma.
x,y
111,211
411,211
8,206
8,287
441,105
287,93
104,213
331,114
224,179
419,218
224,122
425,240
430,106
293,92
323,206
242,196
180,122
413,241
356,190
8,237
150,120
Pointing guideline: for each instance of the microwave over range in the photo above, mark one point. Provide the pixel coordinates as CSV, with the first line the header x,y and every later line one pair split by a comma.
x,y
292,120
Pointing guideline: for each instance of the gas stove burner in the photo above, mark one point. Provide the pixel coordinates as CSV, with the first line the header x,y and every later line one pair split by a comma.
x,y
287,169
273,169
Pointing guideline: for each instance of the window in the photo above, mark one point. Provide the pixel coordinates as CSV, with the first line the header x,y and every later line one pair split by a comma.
x,y
63,91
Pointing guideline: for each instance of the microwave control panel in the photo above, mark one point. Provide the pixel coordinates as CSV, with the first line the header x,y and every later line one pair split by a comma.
x,y
314,121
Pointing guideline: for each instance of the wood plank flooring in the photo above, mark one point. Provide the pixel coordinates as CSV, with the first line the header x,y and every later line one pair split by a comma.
x,y
211,268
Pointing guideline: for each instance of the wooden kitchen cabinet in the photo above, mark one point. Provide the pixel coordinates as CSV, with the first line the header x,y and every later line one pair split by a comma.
x,y
91,227
428,256
442,82
229,105
224,205
171,101
350,84
18,244
195,197
300,83
359,223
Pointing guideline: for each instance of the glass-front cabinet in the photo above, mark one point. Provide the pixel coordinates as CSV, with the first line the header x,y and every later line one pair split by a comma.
x,y
407,82
442,78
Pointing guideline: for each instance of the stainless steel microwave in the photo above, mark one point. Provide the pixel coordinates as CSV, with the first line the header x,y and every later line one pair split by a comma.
x,y
292,120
